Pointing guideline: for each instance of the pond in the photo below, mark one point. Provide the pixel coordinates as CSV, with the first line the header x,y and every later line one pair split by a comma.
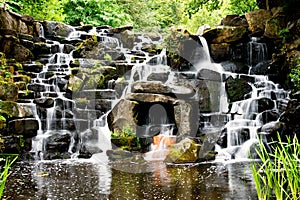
x,y
79,179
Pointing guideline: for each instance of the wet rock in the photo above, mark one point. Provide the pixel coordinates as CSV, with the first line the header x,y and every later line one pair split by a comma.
x,y
272,129
235,67
12,144
186,117
121,29
96,94
41,48
269,116
27,127
178,89
36,67
93,50
86,28
119,154
86,151
58,142
52,29
261,68
152,48
45,102
237,89
186,151
37,87
263,104
26,95
162,77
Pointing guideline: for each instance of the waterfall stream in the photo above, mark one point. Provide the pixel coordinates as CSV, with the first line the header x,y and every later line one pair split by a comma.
x,y
85,128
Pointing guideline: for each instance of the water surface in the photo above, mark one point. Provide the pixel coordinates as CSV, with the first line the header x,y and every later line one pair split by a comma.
x,y
154,180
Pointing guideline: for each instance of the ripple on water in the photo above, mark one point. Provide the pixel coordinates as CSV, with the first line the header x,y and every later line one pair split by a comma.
x,y
84,180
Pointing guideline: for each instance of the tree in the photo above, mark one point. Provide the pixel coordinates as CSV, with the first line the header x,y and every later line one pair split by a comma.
x,y
95,12
241,7
40,9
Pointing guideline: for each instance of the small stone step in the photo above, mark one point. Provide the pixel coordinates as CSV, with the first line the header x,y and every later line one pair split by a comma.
x,y
25,94
34,67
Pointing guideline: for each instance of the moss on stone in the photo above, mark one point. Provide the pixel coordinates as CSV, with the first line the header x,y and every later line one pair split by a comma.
x,y
9,108
8,91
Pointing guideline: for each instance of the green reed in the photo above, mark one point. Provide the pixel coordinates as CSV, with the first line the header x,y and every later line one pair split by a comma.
x,y
8,161
278,173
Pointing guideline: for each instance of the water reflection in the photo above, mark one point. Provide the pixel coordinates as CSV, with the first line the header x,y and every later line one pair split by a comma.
x,y
82,180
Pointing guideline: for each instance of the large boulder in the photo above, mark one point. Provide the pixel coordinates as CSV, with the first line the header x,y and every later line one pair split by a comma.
x,y
183,49
53,29
122,115
237,89
275,25
225,34
178,89
26,127
186,151
291,119
257,20
20,23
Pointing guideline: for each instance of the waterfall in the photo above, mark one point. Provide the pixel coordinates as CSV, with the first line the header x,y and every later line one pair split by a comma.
x,y
257,52
84,129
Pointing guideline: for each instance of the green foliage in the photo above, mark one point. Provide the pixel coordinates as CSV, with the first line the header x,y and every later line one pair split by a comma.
x,y
295,76
278,175
241,7
9,160
40,9
286,35
204,16
2,118
126,139
95,12
191,7
127,131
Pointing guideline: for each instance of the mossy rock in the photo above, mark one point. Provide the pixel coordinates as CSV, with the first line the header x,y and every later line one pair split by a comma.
x,y
8,91
186,151
75,84
237,89
9,109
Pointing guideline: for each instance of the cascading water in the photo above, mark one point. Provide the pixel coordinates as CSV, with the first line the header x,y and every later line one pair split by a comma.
x,y
245,118
85,129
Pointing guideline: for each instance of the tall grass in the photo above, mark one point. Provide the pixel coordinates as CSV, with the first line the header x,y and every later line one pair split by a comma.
x,y
8,161
278,173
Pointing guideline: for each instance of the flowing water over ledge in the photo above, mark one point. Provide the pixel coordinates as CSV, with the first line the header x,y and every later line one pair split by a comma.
x,y
90,180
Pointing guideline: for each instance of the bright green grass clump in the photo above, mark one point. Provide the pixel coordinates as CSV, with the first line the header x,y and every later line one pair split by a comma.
x,y
8,161
277,176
